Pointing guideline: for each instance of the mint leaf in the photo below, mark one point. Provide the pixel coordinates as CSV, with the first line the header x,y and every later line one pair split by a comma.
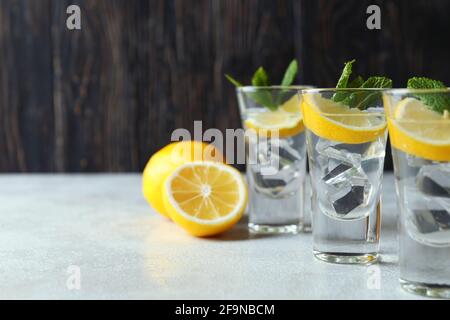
x,y
264,98
356,83
260,78
233,81
366,99
377,82
424,83
343,81
346,73
289,75
435,101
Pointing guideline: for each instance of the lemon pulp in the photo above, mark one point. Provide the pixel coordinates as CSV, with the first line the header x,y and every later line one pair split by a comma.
x,y
205,198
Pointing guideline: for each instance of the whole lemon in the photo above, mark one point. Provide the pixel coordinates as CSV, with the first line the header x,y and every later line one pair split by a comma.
x,y
166,161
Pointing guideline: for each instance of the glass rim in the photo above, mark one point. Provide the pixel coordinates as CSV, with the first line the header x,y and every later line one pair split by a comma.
x,y
247,89
402,91
321,90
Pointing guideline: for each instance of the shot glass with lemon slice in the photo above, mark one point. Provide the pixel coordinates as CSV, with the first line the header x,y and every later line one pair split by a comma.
x,y
346,139
419,128
275,158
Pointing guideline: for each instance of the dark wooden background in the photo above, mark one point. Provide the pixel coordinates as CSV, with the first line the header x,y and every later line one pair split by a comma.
x,y
108,96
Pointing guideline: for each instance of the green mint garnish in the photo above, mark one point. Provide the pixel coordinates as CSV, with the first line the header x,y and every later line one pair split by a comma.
x,y
356,83
289,75
343,81
361,100
261,79
264,98
435,101
377,82
346,74
366,99
233,81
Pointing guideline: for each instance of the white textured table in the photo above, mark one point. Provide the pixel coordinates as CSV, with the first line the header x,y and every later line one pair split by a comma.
x,y
102,225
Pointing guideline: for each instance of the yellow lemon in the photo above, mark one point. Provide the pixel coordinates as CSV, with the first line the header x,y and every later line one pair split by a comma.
x,y
205,198
167,160
338,122
286,120
417,130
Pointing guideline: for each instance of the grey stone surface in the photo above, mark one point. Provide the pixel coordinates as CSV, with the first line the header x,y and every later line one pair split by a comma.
x,y
124,250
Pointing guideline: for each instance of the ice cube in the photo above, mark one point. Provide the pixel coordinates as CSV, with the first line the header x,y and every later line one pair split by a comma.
x,y
275,156
352,199
428,221
338,170
416,162
347,188
434,180
287,153
339,156
442,218
323,144
268,162
375,149
277,169
268,181
353,148
346,185
424,221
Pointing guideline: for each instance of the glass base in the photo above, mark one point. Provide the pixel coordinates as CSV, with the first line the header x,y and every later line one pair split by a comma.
x,y
271,229
427,290
347,258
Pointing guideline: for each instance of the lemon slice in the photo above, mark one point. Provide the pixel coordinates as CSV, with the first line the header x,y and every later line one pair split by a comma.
x,y
417,130
286,120
336,121
205,198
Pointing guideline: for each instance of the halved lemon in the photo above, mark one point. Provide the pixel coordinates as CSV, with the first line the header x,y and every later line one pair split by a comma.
x,y
166,160
417,130
286,120
338,122
205,198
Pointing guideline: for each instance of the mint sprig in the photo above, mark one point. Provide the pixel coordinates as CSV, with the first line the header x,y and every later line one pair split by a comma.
x,y
359,99
261,79
435,101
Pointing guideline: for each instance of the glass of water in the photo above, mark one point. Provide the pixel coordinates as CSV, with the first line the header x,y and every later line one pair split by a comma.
x,y
346,139
419,127
275,158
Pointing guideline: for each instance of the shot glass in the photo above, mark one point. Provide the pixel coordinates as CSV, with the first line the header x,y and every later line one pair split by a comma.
x,y
419,128
275,158
346,140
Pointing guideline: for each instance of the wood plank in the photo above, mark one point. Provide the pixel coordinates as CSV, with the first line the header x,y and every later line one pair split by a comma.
x,y
26,125
94,86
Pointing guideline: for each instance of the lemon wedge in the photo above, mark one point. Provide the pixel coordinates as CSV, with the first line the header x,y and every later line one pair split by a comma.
x,y
205,198
422,132
286,120
338,122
